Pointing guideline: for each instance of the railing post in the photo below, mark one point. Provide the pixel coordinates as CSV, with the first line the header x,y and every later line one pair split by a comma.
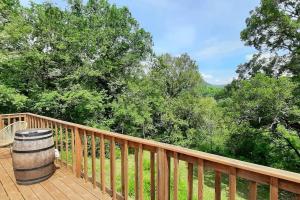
x,y
78,148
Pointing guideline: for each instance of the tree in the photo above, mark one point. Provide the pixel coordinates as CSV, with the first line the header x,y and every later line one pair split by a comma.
x,y
266,108
77,105
48,53
176,74
272,29
96,44
11,101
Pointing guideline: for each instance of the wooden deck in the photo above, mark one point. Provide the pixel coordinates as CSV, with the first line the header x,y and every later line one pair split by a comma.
x,y
62,185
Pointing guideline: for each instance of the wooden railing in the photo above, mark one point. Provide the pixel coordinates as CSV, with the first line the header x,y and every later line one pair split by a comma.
x,y
72,139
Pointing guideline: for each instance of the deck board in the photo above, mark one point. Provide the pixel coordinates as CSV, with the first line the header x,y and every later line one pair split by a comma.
x,y
63,185
26,192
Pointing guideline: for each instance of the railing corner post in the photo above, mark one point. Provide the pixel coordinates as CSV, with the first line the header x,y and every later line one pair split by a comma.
x,y
161,174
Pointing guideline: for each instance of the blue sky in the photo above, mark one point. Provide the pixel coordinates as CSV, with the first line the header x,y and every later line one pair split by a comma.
x,y
208,30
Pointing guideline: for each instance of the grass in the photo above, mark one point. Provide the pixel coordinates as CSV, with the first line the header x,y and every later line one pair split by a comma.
x,y
242,185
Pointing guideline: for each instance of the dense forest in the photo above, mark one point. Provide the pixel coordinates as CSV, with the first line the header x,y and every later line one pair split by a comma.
x,y
91,63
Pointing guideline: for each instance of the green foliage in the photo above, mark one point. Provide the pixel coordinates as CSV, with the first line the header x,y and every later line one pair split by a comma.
x,y
77,105
264,113
95,44
273,29
176,74
11,101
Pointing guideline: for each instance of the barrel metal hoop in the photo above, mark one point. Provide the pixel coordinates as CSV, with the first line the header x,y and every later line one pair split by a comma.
x,y
34,179
30,169
33,133
34,139
34,151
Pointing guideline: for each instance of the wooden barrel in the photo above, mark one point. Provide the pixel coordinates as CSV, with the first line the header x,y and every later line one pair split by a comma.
x,y
33,155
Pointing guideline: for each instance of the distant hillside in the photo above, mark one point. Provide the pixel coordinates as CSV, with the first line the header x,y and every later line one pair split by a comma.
x,y
214,86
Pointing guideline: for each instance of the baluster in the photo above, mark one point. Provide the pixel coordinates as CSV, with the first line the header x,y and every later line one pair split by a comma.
x,y
46,123
102,163
51,126
161,162
190,181
253,190
26,119
176,176
42,123
113,168
85,157
200,179
136,173
232,183
1,122
124,170
67,145
78,148
273,188
61,143
168,182
93,160
30,122
218,185
152,172
35,122
73,150
56,136
140,169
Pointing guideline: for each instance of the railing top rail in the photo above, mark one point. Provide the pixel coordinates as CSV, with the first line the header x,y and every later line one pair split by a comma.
x,y
260,169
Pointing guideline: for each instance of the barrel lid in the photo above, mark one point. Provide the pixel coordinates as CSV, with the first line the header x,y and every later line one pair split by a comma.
x,y
33,132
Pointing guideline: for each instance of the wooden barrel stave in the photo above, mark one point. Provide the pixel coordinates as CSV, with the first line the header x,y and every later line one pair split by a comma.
x,y
32,160
33,155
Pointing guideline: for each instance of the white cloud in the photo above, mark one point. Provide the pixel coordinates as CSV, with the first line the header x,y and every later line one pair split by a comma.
x,y
215,48
248,57
206,76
